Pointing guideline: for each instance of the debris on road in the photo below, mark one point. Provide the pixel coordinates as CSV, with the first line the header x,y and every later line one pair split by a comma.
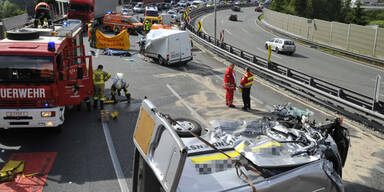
x,y
112,52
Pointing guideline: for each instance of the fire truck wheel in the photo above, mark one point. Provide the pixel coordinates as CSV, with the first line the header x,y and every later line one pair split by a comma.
x,y
189,124
22,34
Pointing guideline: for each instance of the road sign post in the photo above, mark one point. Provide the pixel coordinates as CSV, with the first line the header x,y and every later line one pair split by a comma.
x,y
214,25
199,26
376,94
269,53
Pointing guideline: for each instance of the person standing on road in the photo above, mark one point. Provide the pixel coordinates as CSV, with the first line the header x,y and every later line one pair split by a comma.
x,y
99,77
246,84
92,35
229,85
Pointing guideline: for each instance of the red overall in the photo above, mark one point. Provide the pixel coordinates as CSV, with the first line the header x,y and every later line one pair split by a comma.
x,y
229,85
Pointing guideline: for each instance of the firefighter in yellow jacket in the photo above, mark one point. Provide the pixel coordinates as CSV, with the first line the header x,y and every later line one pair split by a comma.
x,y
99,77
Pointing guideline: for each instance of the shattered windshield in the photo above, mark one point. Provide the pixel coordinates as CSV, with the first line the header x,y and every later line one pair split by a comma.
x,y
21,69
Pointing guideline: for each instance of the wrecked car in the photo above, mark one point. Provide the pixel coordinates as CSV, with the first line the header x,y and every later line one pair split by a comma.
x,y
281,151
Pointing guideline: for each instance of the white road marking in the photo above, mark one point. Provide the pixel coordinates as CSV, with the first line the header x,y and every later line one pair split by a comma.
x,y
264,29
97,53
262,50
115,161
194,113
9,148
244,30
202,21
320,189
228,31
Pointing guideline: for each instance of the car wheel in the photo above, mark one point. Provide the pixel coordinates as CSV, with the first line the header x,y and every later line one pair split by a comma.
x,y
161,60
290,53
184,123
266,46
277,50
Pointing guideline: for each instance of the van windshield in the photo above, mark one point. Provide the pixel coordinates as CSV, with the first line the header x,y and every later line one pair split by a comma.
x,y
22,69
152,13
133,20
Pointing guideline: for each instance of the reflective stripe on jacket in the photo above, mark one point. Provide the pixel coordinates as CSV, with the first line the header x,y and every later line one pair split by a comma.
x,y
99,77
229,79
247,80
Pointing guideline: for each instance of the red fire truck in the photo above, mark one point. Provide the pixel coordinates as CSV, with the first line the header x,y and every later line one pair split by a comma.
x,y
43,71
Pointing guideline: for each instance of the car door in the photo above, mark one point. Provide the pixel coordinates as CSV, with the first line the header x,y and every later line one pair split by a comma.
x,y
160,146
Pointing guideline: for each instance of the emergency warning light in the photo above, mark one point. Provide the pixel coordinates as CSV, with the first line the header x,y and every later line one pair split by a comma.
x,y
46,105
51,46
109,12
65,23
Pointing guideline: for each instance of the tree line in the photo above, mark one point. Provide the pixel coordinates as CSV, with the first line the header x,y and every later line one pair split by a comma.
x,y
9,9
329,10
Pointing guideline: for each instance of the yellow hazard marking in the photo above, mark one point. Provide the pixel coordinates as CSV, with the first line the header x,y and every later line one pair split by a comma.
x,y
199,26
218,156
207,158
144,130
270,144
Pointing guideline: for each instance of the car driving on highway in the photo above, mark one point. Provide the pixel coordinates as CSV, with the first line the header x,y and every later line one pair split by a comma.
x,y
281,45
139,8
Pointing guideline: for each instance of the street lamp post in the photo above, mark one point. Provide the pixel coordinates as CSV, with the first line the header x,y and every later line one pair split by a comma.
x,y
215,23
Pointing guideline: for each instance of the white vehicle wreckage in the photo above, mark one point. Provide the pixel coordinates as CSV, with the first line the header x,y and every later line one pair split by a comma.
x,y
281,151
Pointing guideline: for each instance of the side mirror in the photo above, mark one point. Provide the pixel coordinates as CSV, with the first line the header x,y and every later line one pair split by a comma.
x,y
80,73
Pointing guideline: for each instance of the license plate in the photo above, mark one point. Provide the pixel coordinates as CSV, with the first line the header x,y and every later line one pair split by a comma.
x,y
17,114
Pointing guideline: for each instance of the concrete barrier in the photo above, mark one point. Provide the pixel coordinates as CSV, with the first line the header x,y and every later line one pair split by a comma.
x,y
15,21
363,40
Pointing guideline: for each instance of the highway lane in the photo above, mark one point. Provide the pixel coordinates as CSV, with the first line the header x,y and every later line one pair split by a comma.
x,y
247,35
83,162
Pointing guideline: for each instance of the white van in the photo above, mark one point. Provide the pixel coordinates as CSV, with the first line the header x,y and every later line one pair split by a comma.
x,y
200,3
168,47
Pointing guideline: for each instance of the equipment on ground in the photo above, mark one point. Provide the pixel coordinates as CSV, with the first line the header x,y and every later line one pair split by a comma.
x,y
42,72
282,151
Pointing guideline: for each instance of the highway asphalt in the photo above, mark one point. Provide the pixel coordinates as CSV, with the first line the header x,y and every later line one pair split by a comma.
x,y
85,162
247,35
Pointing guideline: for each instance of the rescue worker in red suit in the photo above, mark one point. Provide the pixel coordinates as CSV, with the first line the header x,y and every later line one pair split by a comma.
x,y
229,85
246,84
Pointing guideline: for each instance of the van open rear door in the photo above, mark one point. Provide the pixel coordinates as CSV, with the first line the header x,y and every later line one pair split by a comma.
x,y
159,148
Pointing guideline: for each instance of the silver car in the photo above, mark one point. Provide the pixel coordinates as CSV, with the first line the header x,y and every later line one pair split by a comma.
x,y
281,45
282,151
139,8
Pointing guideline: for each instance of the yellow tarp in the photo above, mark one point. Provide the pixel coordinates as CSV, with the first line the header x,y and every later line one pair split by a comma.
x,y
10,169
119,41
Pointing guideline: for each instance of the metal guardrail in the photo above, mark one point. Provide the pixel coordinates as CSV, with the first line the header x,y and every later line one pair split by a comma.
x,y
352,104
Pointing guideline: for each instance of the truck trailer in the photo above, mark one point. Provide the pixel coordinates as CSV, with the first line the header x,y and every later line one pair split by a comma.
x,y
88,10
42,72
